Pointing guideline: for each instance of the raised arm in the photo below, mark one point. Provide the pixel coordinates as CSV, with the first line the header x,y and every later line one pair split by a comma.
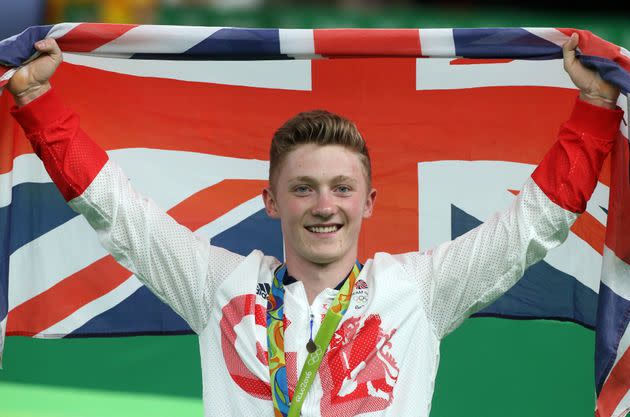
x,y
180,268
460,277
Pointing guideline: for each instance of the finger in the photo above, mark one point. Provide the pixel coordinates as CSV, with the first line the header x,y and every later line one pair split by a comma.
x,y
572,42
568,49
49,46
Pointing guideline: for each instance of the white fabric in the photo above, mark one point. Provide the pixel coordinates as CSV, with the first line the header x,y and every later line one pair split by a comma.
x,y
383,358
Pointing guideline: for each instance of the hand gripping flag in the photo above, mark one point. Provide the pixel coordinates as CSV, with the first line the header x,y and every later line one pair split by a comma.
x,y
456,120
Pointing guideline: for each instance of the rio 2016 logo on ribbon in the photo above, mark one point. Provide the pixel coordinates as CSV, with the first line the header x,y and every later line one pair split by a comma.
x,y
315,357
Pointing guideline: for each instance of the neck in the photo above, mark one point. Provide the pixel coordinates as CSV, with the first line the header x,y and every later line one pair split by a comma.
x,y
316,277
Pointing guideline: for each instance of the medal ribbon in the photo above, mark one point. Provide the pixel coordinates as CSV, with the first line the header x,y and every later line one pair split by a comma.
x,y
283,406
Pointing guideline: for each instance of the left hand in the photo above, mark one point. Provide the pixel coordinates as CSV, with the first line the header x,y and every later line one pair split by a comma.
x,y
593,88
31,80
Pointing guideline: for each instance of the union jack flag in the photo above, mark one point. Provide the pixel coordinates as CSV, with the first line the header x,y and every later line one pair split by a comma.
x,y
456,120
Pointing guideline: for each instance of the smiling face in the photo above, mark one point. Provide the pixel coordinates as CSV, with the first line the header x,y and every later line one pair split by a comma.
x,y
321,197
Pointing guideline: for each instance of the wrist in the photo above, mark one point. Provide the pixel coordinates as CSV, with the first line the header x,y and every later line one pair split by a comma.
x,y
598,100
30,94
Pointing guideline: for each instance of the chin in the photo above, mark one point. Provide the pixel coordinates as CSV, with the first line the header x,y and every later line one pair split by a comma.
x,y
321,258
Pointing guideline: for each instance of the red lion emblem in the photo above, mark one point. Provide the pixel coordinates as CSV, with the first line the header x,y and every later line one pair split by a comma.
x,y
358,373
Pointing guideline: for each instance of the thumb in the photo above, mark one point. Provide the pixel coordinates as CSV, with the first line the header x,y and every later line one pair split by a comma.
x,y
568,49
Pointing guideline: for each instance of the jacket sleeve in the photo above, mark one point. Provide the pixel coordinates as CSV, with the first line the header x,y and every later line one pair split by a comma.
x,y
179,267
464,275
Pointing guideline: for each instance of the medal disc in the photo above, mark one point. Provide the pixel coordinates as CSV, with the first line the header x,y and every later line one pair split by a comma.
x,y
311,346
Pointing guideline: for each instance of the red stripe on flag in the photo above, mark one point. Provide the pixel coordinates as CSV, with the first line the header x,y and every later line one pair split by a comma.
x,y
86,37
589,229
615,387
64,298
367,42
207,205
104,275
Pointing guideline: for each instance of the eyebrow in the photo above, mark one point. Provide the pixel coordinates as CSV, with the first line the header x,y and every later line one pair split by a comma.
x,y
344,178
311,180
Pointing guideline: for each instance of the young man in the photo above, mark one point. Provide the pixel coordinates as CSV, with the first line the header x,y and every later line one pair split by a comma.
x,y
334,337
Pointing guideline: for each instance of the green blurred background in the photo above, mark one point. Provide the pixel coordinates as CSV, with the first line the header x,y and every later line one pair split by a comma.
x,y
490,367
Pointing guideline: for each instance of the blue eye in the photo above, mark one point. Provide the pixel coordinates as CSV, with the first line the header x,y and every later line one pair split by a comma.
x,y
302,189
343,189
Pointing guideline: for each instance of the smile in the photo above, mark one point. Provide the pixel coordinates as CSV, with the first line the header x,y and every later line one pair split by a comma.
x,y
324,228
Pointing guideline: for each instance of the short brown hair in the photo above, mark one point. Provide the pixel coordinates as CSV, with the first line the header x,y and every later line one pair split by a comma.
x,y
318,127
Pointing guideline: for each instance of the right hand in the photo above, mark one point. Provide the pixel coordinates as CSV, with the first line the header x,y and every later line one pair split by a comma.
x,y
593,88
31,80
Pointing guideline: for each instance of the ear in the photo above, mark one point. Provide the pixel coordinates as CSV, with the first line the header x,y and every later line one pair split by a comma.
x,y
270,203
369,203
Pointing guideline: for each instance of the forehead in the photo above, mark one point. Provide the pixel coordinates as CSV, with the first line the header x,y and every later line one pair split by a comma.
x,y
321,162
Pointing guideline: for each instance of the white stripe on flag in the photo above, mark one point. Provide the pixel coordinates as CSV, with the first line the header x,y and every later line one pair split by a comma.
x,y
615,274
92,309
278,74
437,42
28,278
439,74
156,39
59,30
26,168
7,75
186,173
578,259
549,34
297,42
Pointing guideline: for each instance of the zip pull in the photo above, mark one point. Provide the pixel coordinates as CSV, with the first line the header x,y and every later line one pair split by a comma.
x,y
311,346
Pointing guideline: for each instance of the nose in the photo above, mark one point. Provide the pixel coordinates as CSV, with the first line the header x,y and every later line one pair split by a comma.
x,y
324,206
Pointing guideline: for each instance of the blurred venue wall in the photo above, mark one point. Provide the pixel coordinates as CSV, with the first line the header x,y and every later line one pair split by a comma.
x,y
15,15
606,19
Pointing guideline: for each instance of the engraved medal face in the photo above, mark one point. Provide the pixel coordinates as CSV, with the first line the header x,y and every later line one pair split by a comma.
x,y
311,346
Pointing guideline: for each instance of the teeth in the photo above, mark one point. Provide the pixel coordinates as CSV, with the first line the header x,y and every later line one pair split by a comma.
x,y
323,229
